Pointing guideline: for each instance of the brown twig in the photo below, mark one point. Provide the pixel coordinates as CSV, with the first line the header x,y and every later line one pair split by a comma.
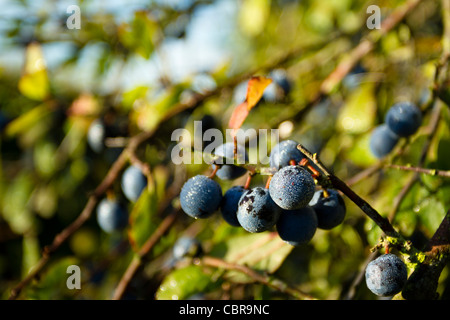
x,y
74,226
335,182
414,178
423,282
431,172
145,249
256,276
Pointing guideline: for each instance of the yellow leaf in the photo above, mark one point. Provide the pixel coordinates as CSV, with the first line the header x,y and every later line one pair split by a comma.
x,y
34,82
255,90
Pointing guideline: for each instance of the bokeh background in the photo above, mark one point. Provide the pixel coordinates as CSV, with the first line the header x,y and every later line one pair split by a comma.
x,y
130,64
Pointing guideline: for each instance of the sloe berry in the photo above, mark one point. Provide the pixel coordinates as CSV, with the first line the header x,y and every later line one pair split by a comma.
x,y
200,196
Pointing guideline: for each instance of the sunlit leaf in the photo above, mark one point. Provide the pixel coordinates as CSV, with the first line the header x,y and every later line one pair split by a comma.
x,y
255,90
31,253
357,115
183,283
34,83
141,35
27,120
253,16
53,283
142,222
261,251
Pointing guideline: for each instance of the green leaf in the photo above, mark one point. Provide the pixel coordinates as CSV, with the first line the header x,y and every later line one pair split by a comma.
x,y
16,210
31,253
253,15
260,251
357,115
27,120
359,151
129,97
141,35
430,212
183,283
53,283
142,222
34,82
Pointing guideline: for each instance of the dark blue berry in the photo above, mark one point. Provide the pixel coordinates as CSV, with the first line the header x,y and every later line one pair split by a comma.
x,y
292,187
200,196
96,136
229,206
404,118
382,141
186,246
386,275
279,88
354,78
283,153
330,210
297,227
111,216
133,182
256,211
230,171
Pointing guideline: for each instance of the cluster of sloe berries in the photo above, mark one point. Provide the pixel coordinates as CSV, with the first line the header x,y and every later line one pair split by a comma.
x,y
402,120
289,201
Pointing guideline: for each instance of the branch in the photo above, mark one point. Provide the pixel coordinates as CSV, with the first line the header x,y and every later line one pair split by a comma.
x,y
139,257
132,145
366,46
333,181
354,56
423,282
431,172
407,187
267,280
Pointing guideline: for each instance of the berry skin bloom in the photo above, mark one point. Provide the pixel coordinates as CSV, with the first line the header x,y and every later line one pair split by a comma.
x,y
292,187
386,275
403,118
382,141
283,153
111,216
330,210
257,212
133,182
200,196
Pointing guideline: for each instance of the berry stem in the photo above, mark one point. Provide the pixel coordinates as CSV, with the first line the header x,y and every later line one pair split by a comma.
x,y
213,174
268,182
249,179
305,163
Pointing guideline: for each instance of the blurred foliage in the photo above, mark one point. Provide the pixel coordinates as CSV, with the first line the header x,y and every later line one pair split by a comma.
x,y
129,65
